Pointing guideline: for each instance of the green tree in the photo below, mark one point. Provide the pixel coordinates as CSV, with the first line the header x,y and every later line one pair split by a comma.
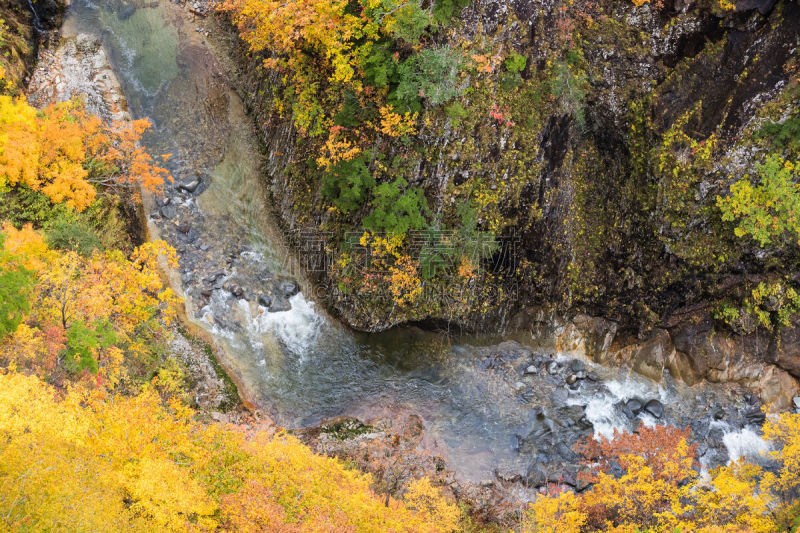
x,y
396,208
431,74
348,183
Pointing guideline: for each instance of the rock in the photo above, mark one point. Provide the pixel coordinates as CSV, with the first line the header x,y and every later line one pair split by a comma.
x,y
206,293
634,405
289,288
595,335
553,367
279,305
169,211
531,370
755,417
796,402
265,300
236,291
655,408
592,376
189,186
518,386
537,476
576,365
652,356
572,379
184,228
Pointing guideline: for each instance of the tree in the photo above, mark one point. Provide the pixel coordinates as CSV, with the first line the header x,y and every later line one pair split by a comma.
x,y
769,210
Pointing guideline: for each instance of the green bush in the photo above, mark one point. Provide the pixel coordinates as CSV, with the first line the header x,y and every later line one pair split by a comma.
x,y
380,69
785,136
396,209
69,232
445,10
456,112
348,183
15,285
515,63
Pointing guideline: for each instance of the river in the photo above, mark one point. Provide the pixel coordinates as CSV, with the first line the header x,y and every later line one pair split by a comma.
x,y
482,405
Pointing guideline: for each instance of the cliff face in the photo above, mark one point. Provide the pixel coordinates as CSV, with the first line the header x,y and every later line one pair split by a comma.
x,y
23,26
592,140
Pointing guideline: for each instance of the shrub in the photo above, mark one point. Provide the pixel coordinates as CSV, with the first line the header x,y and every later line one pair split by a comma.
x,y
348,183
516,63
396,209
68,232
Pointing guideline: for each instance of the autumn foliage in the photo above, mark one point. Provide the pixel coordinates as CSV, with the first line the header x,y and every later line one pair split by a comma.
x,y
650,481
65,153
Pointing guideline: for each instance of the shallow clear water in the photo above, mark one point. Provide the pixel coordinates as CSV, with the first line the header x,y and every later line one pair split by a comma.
x,y
300,365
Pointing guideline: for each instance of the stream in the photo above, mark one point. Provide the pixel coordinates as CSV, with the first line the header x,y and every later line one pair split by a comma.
x,y
493,407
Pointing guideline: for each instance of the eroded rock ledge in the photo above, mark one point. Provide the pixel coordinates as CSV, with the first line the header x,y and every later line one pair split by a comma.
x,y
689,348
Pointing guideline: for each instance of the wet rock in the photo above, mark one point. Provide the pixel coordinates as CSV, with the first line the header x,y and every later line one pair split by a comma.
x,y
279,305
755,417
592,376
572,379
576,365
289,288
553,367
265,300
169,211
655,408
189,186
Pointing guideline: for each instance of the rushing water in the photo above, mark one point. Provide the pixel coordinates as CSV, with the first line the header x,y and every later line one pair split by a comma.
x,y
301,365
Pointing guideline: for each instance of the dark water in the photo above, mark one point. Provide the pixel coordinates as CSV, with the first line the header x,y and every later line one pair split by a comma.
x,y
300,365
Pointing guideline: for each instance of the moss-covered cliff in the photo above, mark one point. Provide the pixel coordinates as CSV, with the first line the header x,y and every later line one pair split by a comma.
x,y
501,154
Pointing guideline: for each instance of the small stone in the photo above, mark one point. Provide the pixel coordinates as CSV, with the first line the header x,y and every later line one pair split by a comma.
x,y
572,379
206,293
531,370
592,376
553,367
518,386
265,300
184,228
236,291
